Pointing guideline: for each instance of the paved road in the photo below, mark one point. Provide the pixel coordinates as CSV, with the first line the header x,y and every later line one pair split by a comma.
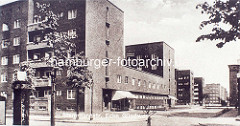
x,y
157,120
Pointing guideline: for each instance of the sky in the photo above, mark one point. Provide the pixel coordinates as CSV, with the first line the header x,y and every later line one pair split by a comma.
x,y
176,22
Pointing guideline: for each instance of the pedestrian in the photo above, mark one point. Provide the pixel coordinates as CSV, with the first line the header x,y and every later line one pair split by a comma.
x,y
149,121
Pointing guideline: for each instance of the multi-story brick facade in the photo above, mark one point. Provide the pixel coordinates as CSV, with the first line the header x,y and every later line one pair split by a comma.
x,y
13,37
198,90
99,27
164,65
233,86
185,86
216,93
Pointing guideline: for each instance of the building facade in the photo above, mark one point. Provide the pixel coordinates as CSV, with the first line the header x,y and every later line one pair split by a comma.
x,y
20,22
185,86
161,61
198,90
216,93
233,84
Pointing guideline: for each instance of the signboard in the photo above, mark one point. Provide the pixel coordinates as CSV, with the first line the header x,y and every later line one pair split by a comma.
x,y
2,112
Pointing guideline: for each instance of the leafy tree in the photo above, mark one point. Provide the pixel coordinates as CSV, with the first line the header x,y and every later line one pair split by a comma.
x,y
63,45
221,12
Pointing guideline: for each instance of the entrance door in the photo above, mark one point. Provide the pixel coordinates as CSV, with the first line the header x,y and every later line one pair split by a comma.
x,y
107,96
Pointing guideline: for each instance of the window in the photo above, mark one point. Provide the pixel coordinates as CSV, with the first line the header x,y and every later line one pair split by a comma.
x,y
70,94
5,60
36,19
149,85
180,83
4,77
154,86
126,79
4,44
4,94
154,64
72,33
139,82
119,79
180,89
5,27
70,108
72,14
58,93
16,41
60,15
133,81
16,24
48,54
46,93
43,108
144,83
58,108
16,59
36,56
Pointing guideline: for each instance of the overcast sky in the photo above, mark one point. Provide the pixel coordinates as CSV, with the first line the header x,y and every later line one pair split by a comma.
x,y
177,23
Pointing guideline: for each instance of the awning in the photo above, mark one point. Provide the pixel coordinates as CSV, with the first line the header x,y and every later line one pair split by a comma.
x,y
172,97
116,95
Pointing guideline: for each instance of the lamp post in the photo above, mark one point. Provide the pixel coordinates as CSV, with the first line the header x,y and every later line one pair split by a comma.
x,y
91,115
238,84
53,86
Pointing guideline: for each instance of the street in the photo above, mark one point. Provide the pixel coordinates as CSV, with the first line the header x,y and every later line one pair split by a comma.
x,y
160,118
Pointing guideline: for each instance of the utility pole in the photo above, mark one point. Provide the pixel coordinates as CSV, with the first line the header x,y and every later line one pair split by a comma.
x,y
53,81
91,116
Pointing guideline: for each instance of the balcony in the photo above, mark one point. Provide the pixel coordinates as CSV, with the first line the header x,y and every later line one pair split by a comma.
x,y
39,64
41,82
32,46
34,27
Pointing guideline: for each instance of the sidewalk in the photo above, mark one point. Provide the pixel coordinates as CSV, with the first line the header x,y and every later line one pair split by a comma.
x,y
115,117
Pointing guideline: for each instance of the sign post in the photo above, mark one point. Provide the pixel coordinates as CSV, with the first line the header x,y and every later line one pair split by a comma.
x,y
22,90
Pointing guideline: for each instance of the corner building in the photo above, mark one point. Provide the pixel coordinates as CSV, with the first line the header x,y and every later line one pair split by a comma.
x,y
99,27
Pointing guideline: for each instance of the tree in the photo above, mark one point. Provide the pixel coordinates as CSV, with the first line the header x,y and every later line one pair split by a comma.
x,y
206,98
63,47
220,13
79,77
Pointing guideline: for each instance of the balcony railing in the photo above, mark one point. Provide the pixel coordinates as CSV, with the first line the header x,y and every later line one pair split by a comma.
x,y
39,64
34,27
40,82
32,46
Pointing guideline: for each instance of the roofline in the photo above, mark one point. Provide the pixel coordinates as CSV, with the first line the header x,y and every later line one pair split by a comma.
x,y
150,43
11,3
115,6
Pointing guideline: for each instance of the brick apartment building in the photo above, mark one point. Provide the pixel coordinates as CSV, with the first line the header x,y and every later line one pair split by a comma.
x,y
198,90
185,86
164,55
115,87
216,93
233,86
